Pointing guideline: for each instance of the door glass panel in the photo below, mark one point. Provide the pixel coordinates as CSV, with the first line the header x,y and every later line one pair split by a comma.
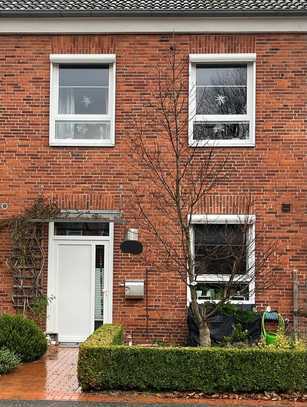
x,y
81,229
99,285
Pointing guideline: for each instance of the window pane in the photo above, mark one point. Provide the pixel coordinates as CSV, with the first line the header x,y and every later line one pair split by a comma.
x,y
220,131
83,101
84,75
221,75
221,89
215,233
220,249
70,130
81,229
215,291
83,89
221,100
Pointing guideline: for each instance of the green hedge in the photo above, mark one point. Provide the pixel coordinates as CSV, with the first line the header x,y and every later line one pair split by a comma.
x,y
106,335
103,364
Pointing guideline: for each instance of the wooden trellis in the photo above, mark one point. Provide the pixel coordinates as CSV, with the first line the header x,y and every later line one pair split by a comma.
x,y
27,257
27,262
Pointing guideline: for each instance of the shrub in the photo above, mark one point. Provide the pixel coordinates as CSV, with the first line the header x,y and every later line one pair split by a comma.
x,y
103,365
284,341
22,336
8,361
106,335
240,315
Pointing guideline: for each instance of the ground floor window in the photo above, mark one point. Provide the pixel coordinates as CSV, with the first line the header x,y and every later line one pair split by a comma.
x,y
224,258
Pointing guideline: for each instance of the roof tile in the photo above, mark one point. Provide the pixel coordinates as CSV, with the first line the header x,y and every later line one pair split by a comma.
x,y
129,6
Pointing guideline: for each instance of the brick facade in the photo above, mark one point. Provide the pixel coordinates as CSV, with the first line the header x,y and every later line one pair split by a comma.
x,y
80,177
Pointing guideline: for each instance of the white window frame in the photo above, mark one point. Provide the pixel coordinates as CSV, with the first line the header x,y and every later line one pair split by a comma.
x,y
61,59
250,116
250,256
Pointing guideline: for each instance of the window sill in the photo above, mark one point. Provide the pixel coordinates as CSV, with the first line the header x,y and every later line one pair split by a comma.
x,y
221,143
81,144
235,302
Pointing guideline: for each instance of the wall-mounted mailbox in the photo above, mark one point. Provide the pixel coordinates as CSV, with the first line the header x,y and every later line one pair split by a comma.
x,y
134,289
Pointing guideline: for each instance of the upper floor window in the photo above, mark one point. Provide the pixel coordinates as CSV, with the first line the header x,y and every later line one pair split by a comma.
x,y
222,100
82,100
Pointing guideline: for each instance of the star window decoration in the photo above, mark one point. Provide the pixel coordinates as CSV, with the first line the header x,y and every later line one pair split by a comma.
x,y
81,130
86,101
220,99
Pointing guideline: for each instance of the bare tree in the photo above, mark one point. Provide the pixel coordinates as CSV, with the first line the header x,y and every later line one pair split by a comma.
x,y
177,179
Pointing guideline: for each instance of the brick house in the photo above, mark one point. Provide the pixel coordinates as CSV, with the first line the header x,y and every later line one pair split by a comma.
x,y
70,76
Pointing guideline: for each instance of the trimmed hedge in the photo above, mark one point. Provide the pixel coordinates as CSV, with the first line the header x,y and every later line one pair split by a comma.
x,y
103,364
8,361
106,335
22,336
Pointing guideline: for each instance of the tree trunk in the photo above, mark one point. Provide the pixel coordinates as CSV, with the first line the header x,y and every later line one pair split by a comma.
x,y
204,334
200,319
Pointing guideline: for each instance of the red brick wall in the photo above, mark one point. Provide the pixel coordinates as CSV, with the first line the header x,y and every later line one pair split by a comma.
x,y
273,171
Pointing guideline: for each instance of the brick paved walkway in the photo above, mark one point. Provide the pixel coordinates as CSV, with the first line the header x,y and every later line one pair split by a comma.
x,y
54,377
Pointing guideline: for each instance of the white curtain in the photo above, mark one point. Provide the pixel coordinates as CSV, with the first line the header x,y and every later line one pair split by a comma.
x,y
67,106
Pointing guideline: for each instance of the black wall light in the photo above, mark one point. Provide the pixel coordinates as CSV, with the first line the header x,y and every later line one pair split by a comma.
x,y
131,243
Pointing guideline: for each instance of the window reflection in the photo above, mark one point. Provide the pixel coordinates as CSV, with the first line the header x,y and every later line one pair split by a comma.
x,y
81,229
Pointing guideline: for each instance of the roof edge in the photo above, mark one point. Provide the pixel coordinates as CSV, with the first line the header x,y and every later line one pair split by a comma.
x,y
152,13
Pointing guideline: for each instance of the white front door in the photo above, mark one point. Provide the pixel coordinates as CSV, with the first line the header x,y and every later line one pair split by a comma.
x,y
75,291
79,286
